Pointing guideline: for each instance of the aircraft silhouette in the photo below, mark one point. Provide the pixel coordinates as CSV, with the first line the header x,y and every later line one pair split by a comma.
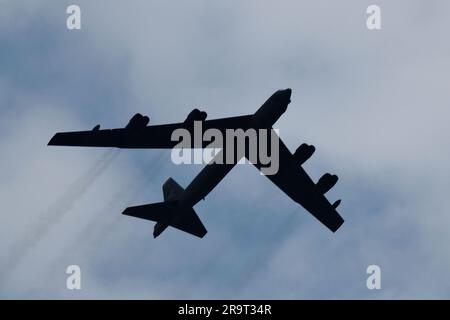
x,y
177,208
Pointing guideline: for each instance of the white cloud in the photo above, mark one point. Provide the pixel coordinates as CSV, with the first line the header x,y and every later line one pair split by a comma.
x,y
373,103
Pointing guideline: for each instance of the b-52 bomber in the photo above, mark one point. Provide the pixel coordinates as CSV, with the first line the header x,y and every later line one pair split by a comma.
x,y
177,208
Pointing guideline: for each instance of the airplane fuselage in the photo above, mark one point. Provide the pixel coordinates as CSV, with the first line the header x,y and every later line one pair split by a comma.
x,y
177,209
211,175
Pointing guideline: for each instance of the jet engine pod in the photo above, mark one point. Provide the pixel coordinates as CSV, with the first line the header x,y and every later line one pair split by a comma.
x,y
303,153
336,204
138,121
326,182
195,115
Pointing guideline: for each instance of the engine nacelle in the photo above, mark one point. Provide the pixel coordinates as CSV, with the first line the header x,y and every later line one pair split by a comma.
x,y
326,182
336,204
138,121
195,115
303,153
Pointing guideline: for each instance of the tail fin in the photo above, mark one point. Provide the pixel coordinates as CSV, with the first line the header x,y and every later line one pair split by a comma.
x,y
169,213
171,190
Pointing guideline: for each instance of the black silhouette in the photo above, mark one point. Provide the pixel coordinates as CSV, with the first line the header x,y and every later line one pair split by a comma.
x,y
177,209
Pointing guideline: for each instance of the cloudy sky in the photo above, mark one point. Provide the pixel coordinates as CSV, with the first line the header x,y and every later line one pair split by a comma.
x,y
374,103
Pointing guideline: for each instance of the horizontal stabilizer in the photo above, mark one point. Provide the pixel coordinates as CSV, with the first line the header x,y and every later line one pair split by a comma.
x,y
170,214
189,222
154,212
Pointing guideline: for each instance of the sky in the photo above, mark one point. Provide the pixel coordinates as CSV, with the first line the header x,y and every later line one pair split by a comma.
x,y
374,103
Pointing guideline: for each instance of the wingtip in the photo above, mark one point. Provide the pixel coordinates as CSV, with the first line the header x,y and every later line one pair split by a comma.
x,y
54,140
338,225
51,142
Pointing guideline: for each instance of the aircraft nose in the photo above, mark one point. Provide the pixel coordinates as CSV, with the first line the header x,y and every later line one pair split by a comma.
x,y
287,94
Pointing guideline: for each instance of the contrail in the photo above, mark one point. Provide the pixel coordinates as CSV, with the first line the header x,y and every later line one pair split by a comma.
x,y
54,214
102,222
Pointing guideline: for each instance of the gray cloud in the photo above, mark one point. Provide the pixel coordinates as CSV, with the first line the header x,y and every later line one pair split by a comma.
x,y
54,214
373,103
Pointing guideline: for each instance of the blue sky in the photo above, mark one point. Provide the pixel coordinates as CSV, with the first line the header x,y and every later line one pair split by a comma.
x,y
375,105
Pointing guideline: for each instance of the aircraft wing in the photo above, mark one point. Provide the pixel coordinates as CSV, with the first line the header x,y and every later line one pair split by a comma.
x,y
156,137
292,179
